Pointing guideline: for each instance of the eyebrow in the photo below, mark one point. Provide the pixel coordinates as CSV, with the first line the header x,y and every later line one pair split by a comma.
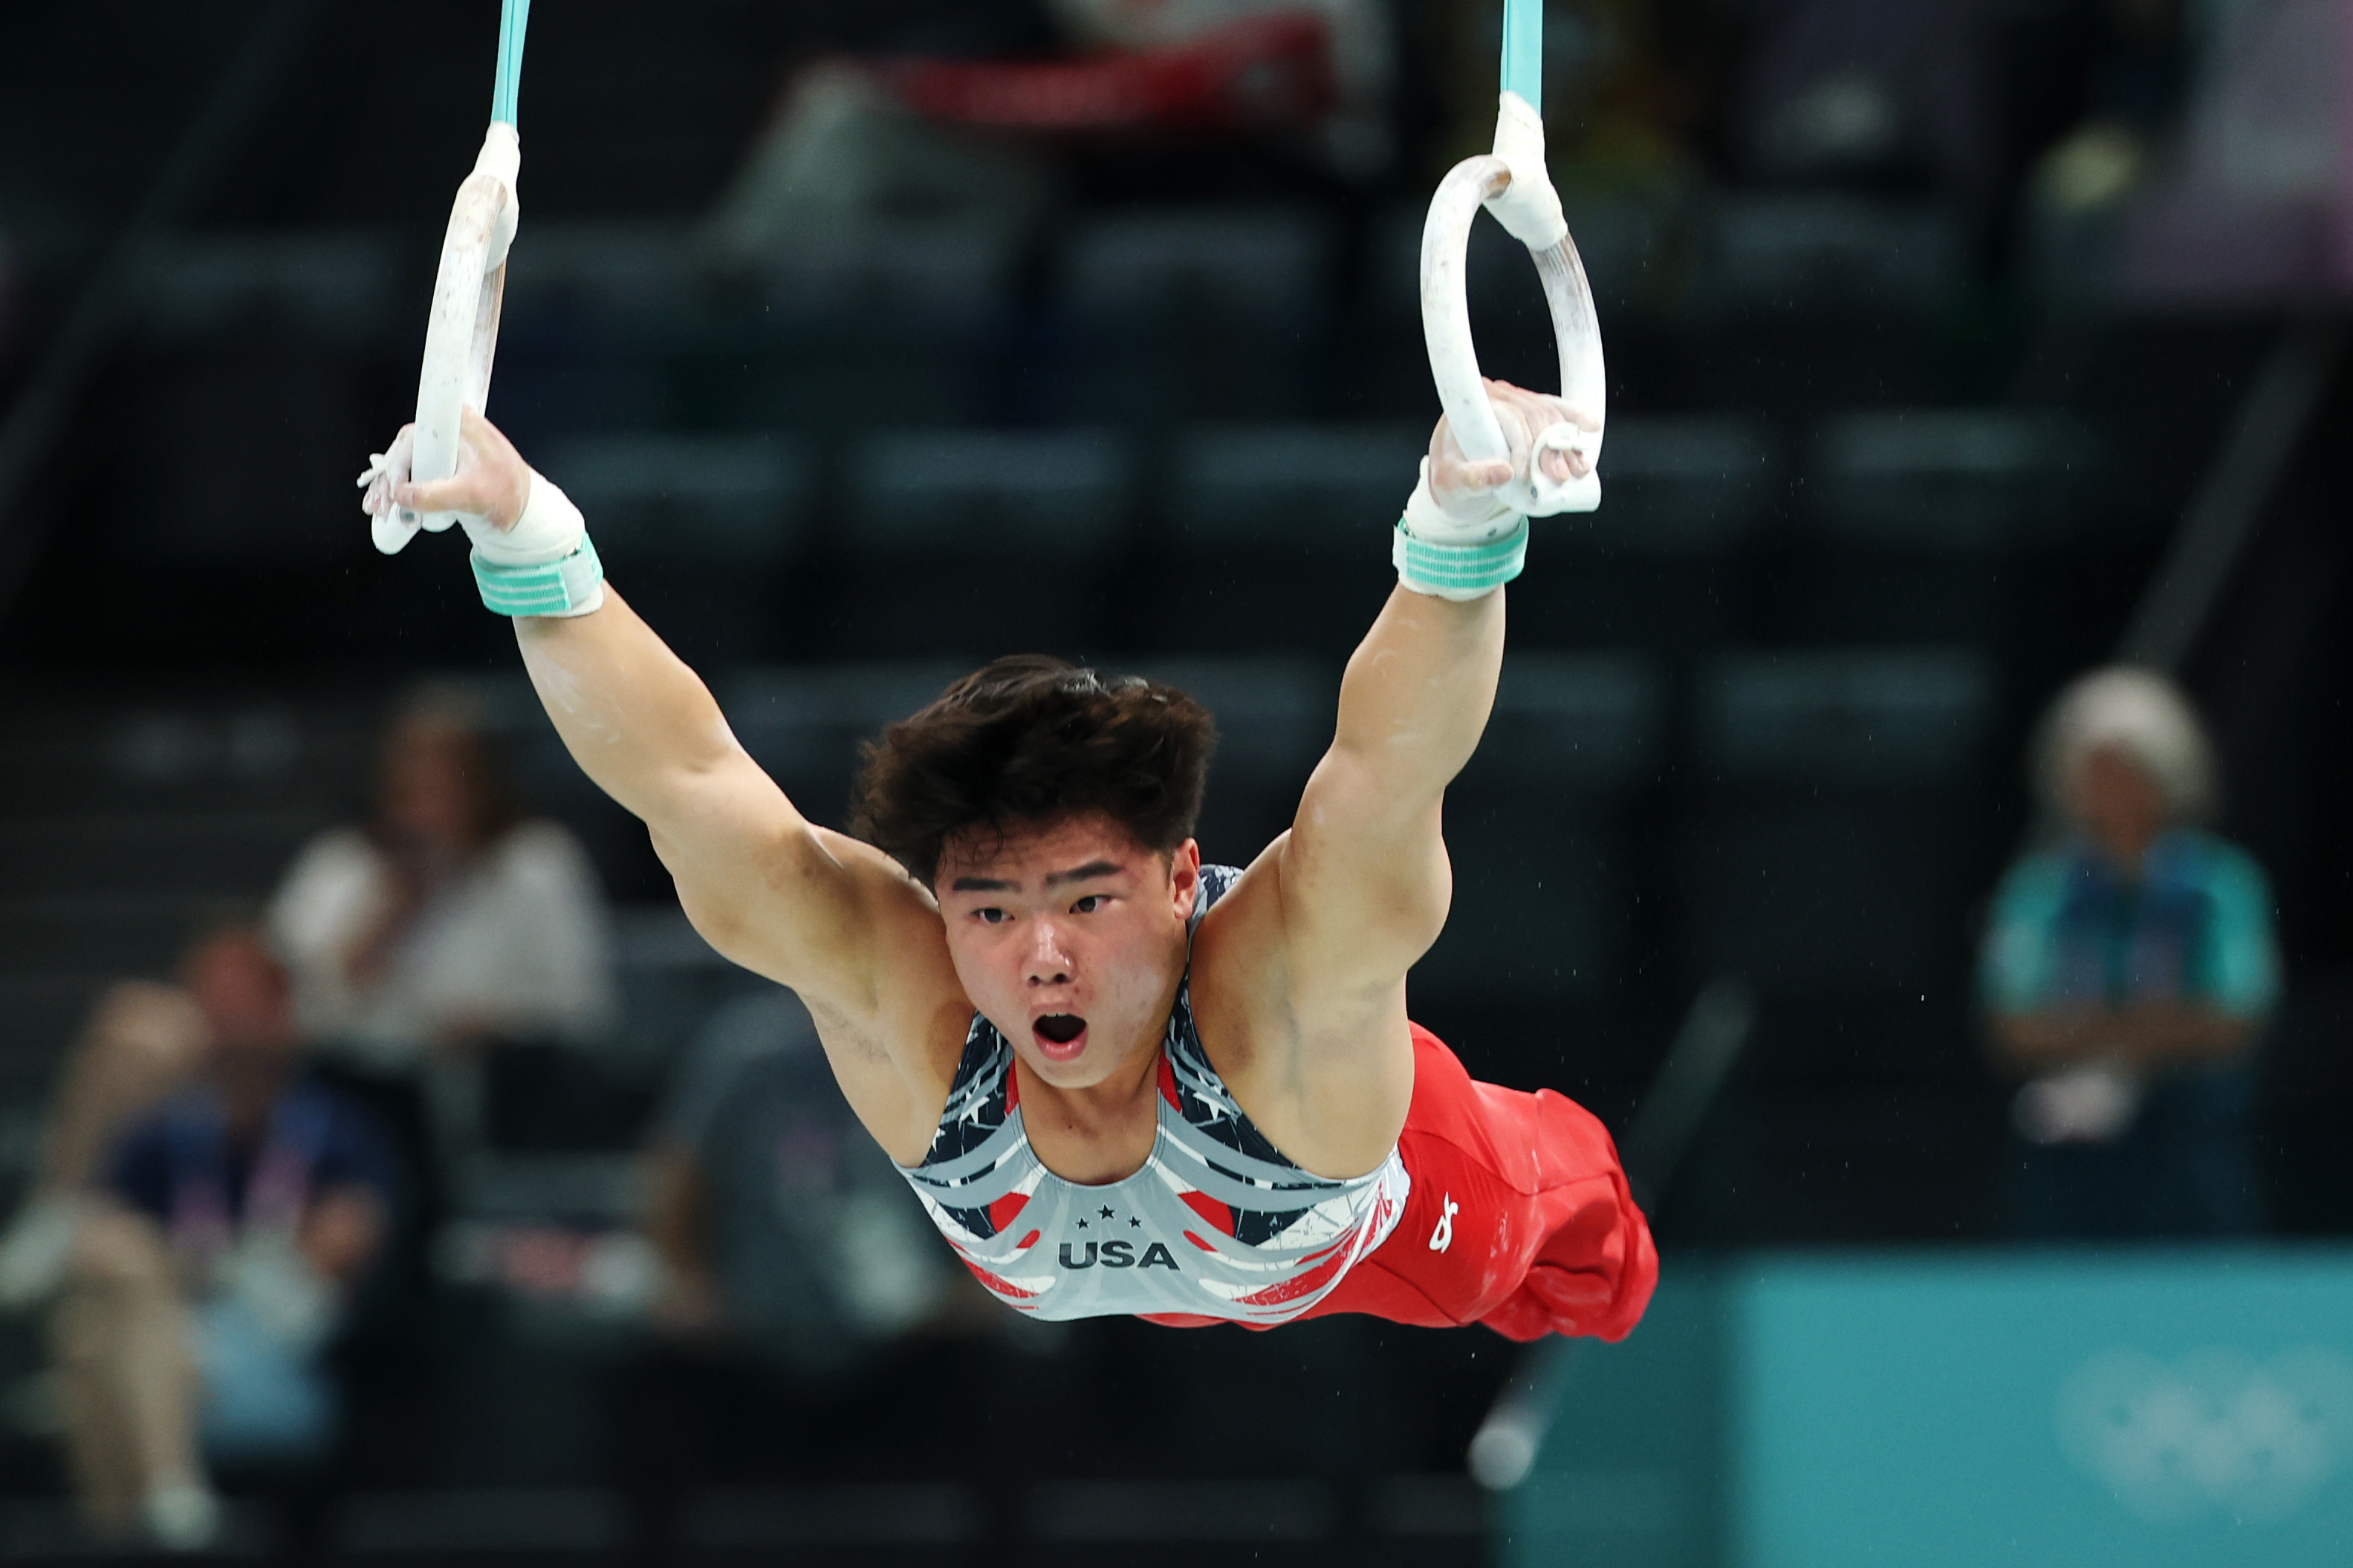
x,y
1093,868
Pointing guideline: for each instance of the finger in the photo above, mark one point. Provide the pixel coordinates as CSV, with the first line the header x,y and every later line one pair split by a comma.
x,y
391,533
1555,465
459,492
1463,477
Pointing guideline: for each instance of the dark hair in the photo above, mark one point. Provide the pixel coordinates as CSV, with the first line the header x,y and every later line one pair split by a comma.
x,y
1025,741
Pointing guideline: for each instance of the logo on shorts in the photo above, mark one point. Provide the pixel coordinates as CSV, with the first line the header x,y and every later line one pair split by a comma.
x,y
1443,1236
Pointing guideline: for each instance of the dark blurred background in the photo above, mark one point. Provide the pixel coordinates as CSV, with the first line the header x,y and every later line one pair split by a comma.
x,y
1944,335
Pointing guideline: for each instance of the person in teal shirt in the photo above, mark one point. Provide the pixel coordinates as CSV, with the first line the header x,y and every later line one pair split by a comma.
x,y
2127,975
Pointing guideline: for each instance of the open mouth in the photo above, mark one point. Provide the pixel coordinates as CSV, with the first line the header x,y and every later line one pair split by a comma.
x,y
1060,1036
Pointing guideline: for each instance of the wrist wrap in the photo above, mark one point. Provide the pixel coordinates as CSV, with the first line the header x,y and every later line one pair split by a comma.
x,y
572,586
542,565
1454,557
1459,572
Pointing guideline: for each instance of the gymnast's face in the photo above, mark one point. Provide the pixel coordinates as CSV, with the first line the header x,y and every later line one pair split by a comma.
x,y
1070,939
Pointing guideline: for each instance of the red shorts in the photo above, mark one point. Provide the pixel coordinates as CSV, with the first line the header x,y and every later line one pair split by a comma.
x,y
1519,1218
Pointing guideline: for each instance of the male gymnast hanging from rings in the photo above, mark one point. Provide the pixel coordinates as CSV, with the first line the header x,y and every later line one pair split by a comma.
x,y
1120,1081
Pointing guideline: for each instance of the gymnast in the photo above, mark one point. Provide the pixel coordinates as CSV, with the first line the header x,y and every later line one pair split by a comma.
x,y
1123,1081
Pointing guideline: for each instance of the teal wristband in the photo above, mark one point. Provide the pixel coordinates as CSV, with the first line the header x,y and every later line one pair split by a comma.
x,y
572,586
1458,570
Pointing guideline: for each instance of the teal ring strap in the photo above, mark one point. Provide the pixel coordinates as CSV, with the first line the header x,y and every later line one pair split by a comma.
x,y
513,14
1523,50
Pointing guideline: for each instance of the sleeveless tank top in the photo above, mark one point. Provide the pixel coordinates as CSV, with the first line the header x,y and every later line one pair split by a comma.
x,y
1216,1224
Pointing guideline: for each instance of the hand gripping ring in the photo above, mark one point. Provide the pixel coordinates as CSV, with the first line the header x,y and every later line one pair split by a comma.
x,y
1532,213
461,336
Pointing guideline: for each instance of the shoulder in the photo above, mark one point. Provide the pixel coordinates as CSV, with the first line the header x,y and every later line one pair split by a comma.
x,y
2217,861
2225,873
2035,885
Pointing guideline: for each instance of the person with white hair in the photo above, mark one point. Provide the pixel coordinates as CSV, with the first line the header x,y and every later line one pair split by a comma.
x,y
2127,972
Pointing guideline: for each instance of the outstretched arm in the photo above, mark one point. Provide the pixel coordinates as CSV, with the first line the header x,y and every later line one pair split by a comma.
x,y
1365,876
1311,956
809,907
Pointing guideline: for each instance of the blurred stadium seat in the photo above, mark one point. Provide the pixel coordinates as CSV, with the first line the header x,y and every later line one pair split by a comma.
x,y
1254,513
890,276
1296,489
322,286
802,724
1684,485
1683,500
1949,481
1830,253
565,1525
1274,721
1534,829
962,539
703,500
1914,520
1215,313
1824,857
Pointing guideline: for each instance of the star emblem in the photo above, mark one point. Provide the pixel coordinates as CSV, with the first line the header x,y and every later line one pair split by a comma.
x,y
1134,1223
1106,1212
1083,1224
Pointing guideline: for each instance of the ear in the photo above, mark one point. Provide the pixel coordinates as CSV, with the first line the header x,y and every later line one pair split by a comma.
x,y
1184,877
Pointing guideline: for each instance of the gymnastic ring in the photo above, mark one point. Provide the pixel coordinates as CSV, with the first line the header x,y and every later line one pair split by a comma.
x,y
1453,358
461,335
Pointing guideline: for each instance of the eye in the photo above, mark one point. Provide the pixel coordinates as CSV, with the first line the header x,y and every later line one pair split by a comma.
x,y
1090,904
991,915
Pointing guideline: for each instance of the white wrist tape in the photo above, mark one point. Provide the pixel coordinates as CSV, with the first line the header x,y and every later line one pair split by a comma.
x,y
549,529
1528,208
1474,519
544,564
1460,555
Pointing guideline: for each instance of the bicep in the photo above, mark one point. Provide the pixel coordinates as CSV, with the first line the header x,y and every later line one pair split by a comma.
x,y
1365,880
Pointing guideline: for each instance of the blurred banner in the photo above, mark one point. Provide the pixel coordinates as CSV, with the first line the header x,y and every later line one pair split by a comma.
x,y
2146,1409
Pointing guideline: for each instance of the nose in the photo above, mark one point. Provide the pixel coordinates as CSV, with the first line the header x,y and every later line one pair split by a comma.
x,y
1048,963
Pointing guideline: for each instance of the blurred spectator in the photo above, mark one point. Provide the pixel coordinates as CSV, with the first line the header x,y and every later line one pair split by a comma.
x,y
210,1265
143,1041
931,134
2128,972
448,923
781,1226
